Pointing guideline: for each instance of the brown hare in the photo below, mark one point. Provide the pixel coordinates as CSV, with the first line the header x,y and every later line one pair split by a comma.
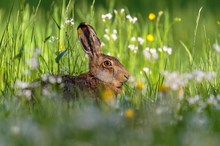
x,y
105,72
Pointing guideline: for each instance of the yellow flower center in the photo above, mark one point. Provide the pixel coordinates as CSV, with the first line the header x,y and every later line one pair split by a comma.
x,y
129,113
139,85
108,94
150,38
152,16
164,88
62,48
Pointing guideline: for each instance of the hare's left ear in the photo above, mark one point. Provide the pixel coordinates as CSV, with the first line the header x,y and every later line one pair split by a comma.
x,y
89,40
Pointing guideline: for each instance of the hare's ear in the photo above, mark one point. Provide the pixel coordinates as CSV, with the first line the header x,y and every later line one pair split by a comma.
x,y
89,40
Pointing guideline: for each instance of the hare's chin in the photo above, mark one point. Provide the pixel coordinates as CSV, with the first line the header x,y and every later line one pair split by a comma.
x,y
119,89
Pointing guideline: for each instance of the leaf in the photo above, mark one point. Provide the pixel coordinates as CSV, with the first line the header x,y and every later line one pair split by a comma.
x,y
21,52
46,39
58,26
57,59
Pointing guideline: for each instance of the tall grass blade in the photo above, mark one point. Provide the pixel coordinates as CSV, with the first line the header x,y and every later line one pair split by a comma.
x,y
21,52
58,26
188,52
92,11
196,28
6,27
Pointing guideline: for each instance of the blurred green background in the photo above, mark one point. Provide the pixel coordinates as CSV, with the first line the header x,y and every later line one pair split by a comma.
x,y
140,6
187,10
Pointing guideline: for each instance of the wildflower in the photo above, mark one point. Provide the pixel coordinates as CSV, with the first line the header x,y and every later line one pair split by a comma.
x,y
216,47
146,70
150,53
193,100
132,20
108,95
20,84
33,63
106,36
114,31
151,16
140,40
180,93
59,80
201,75
150,38
102,44
52,79
174,80
133,48
37,52
133,39
164,88
62,48
64,69
27,93
131,79
154,53
69,21
45,92
45,77
147,53
129,113
167,49
140,85
212,100
122,10
54,38
109,54
106,30
112,35
106,16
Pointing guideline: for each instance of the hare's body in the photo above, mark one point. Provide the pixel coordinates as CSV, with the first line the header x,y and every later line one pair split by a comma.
x,y
86,83
105,72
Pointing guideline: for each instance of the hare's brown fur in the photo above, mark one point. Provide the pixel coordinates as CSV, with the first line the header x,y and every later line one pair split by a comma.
x,y
105,72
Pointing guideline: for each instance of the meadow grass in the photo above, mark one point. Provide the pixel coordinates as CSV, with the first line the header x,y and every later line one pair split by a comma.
x,y
172,98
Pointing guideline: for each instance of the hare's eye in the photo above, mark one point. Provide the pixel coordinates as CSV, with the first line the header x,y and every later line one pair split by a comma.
x,y
107,63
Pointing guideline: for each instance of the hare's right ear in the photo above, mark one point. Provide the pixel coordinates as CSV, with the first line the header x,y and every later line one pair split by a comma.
x,y
89,40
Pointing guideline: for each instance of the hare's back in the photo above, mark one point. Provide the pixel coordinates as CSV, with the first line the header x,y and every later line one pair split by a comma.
x,y
82,85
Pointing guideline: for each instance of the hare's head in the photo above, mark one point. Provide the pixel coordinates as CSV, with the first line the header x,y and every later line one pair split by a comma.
x,y
106,68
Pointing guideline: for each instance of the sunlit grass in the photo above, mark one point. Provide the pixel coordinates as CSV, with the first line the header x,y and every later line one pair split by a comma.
x,y
172,98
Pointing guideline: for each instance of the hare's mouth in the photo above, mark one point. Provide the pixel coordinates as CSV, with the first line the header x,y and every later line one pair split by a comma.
x,y
120,86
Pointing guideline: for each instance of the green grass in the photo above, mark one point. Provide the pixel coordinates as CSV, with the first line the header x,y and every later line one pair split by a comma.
x,y
177,103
